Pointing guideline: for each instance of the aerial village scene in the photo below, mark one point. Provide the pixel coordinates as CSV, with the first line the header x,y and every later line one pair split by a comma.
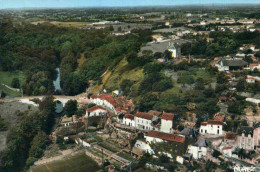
x,y
130,88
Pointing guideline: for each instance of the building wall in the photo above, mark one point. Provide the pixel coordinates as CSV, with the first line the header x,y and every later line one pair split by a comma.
x,y
152,139
174,52
211,129
246,143
197,152
98,112
103,103
129,122
257,137
166,126
143,124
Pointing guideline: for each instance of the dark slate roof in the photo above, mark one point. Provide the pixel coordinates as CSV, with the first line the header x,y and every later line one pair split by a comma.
x,y
246,130
201,143
234,63
189,132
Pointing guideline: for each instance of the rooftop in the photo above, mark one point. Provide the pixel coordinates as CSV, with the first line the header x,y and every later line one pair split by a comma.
x,y
167,116
94,108
166,136
144,115
129,116
234,62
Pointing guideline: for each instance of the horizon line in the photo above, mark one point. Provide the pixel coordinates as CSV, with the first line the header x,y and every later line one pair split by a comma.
x,y
139,6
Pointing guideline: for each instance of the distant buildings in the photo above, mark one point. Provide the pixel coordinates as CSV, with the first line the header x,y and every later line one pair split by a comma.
x,y
231,64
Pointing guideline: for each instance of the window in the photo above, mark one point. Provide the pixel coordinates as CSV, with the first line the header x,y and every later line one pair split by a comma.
x,y
218,126
201,131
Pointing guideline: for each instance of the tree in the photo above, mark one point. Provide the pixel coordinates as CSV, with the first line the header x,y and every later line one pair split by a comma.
x,y
71,107
241,85
167,55
216,153
119,29
38,145
221,78
15,83
3,126
199,84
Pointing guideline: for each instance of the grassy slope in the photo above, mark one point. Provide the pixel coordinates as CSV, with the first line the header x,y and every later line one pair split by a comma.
x,y
77,163
7,77
112,79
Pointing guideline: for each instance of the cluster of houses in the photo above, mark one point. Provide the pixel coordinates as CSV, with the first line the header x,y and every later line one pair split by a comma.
x,y
158,127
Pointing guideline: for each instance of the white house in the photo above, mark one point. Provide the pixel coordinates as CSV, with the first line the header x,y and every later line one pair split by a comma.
x,y
129,120
173,50
143,121
106,101
144,146
203,23
199,149
167,122
211,127
156,136
95,111
252,79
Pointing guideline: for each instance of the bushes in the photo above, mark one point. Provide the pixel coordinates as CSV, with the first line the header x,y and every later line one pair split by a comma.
x,y
28,139
71,107
3,126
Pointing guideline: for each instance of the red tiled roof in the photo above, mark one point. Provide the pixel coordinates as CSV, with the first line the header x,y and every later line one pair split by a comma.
x,y
129,116
223,98
94,108
213,122
144,115
167,116
109,98
166,136
204,123
227,147
231,136
253,79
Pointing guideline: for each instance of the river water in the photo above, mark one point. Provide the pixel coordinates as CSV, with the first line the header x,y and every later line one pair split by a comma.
x,y
56,82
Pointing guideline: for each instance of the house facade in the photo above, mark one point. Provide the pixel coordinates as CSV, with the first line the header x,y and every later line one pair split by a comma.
x,y
129,120
245,138
211,127
199,149
167,122
256,134
143,121
95,111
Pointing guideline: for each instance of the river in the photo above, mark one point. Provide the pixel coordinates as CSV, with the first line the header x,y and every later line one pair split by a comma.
x,y
56,82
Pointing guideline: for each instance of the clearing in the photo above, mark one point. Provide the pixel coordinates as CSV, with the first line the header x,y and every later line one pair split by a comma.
x,y
77,163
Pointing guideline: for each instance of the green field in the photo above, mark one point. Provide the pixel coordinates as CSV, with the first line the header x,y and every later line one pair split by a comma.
x,y
7,77
9,92
77,163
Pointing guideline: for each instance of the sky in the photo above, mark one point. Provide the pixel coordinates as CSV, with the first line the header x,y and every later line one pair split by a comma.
x,y
112,3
